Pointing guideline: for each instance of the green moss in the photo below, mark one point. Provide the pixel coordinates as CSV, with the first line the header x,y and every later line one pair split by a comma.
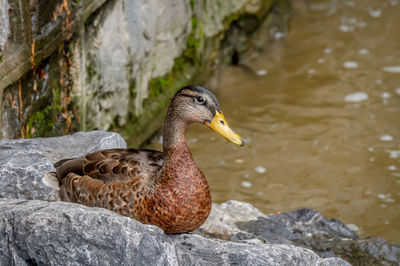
x,y
90,71
157,86
194,41
192,4
38,124
188,62
165,85
132,91
42,122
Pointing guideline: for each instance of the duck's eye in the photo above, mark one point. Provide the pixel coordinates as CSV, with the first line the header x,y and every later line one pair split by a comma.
x,y
200,99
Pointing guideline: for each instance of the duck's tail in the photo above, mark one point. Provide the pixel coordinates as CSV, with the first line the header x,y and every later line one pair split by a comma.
x,y
50,180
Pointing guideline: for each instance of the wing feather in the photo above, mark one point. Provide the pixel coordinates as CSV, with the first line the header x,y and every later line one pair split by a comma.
x,y
113,165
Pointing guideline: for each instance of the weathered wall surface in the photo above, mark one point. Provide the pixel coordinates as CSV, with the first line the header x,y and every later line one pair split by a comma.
x,y
70,65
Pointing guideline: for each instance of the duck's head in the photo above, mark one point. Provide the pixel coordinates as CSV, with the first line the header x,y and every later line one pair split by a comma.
x,y
195,104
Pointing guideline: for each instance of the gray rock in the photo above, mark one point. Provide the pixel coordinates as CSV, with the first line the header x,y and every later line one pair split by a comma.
x,y
218,11
24,161
4,25
106,88
150,34
238,221
58,233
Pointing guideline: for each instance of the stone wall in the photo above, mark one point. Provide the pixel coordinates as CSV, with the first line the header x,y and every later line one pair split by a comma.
x,y
71,65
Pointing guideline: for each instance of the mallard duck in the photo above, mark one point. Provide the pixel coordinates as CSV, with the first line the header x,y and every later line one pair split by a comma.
x,y
166,188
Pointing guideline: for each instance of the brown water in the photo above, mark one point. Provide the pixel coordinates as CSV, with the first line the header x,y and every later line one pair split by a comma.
x,y
307,144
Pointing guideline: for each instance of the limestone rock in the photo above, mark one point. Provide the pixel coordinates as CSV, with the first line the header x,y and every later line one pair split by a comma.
x,y
223,218
24,161
113,40
238,221
4,25
150,34
59,233
218,11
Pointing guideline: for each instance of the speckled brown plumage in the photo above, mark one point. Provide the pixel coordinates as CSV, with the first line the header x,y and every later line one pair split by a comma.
x,y
166,188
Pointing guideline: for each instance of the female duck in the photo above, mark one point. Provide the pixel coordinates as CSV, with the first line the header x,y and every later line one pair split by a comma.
x,y
166,188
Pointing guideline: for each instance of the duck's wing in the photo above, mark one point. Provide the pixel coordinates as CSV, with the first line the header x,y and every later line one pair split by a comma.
x,y
113,165
111,179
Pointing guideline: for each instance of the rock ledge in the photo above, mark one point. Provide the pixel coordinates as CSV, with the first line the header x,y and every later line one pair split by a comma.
x,y
58,233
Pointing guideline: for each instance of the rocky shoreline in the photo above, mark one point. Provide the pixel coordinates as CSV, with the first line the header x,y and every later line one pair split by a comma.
x,y
35,230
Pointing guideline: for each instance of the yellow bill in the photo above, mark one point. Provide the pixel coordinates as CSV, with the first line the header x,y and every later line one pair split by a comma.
x,y
219,125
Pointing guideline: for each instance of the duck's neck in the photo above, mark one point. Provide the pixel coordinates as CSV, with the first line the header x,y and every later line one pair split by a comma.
x,y
176,153
174,131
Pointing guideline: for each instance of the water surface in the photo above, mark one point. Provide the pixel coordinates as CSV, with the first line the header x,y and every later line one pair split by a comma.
x,y
321,119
